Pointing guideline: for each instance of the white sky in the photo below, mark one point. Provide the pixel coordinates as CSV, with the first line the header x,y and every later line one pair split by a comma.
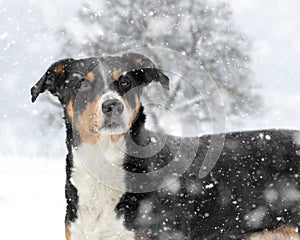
x,y
273,27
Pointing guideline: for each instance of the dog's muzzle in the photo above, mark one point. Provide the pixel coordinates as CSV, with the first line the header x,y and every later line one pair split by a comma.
x,y
114,115
112,107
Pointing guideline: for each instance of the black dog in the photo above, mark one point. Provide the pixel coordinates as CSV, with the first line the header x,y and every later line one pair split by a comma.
x,y
125,182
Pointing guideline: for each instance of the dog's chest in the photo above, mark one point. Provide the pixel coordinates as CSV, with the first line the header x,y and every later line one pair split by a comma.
x,y
99,178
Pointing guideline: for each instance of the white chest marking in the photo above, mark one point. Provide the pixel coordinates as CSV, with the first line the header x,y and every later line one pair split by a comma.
x,y
99,179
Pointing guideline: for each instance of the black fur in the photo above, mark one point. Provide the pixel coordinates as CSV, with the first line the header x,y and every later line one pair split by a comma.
x,y
70,190
250,163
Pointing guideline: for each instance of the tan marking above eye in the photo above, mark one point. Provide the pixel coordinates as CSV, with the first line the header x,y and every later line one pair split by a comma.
x,y
90,76
60,69
138,62
116,74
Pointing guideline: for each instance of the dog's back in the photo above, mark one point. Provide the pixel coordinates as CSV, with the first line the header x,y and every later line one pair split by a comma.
x,y
253,185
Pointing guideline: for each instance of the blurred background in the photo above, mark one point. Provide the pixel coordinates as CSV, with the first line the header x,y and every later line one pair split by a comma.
x,y
249,49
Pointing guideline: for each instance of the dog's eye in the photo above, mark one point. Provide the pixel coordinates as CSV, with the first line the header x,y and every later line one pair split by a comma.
x,y
85,85
124,82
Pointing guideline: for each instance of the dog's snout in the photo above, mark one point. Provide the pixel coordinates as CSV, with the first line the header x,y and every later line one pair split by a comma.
x,y
113,106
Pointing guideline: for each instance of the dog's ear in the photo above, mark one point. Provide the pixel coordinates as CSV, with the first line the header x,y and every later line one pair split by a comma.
x,y
146,75
54,79
154,74
145,70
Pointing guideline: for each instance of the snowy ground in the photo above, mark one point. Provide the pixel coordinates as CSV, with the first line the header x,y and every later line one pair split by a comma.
x,y
32,201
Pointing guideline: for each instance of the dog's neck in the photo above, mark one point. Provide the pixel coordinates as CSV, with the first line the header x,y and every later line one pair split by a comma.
x,y
138,133
104,160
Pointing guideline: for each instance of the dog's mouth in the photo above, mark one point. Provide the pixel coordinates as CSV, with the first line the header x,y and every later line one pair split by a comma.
x,y
111,126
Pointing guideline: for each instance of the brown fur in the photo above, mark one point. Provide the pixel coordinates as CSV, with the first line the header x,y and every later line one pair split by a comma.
x,y
138,62
60,69
137,103
70,109
88,122
136,109
116,74
115,138
127,104
131,120
281,233
67,232
90,76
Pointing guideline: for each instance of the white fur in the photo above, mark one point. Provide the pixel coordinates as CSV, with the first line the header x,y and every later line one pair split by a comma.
x,y
99,179
124,118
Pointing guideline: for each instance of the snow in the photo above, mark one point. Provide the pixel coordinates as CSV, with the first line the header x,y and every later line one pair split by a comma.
x,y
32,204
209,186
79,31
255,217
3,36
174,185
159,26
273,31
271,195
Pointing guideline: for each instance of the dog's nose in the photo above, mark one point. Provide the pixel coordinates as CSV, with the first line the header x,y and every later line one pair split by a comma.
x,y
113,106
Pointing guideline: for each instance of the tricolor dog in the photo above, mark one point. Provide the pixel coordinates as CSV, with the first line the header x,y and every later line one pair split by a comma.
x,y
119,183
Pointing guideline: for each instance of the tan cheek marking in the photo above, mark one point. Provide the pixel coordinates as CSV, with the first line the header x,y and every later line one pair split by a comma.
x,y
127,104
116,75
129,110
60,69
134,114
137,103
131,120
282,233
88,123
115,138
70,109
90,76
67,233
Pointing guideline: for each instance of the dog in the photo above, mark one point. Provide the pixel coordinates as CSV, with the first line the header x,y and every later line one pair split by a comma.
x,y
114,188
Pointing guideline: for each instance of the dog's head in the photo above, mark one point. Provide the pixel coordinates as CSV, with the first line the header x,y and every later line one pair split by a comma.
x,y
100,95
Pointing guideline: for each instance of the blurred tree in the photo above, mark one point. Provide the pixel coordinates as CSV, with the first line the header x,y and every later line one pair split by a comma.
x,y
209,46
